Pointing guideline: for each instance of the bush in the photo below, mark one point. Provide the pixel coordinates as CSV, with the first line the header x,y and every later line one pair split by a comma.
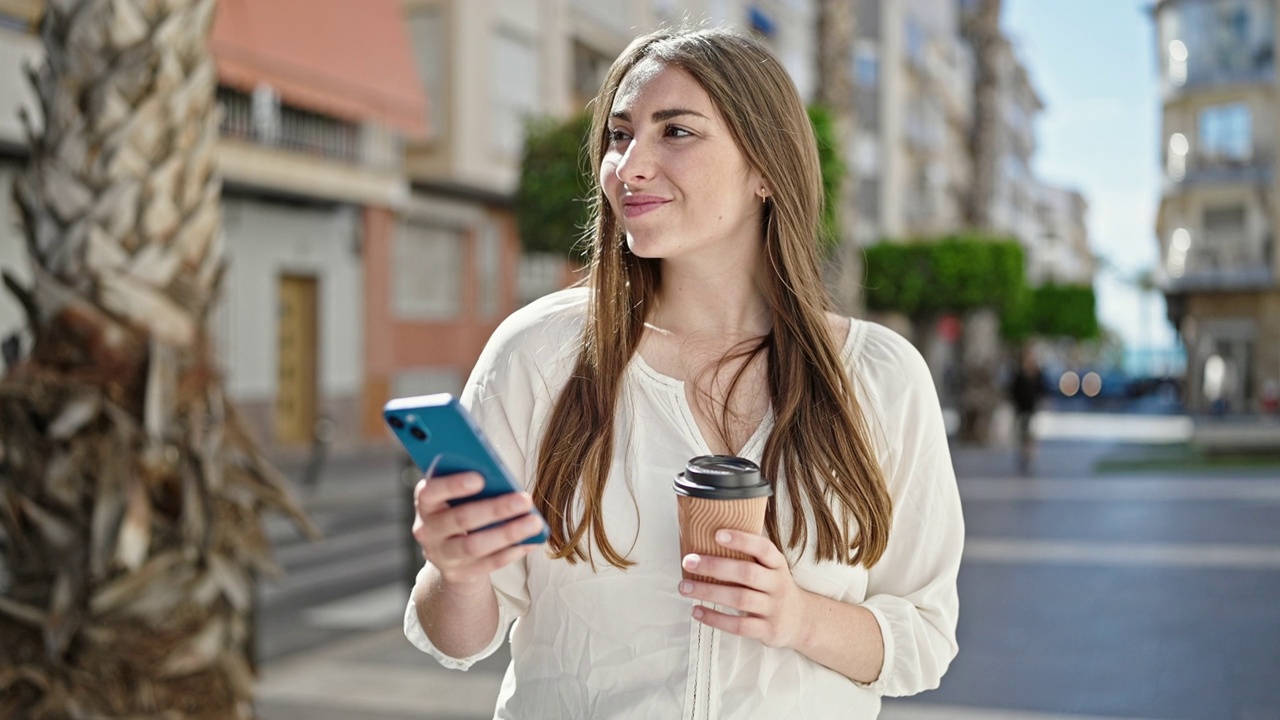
x,y
1053,311
829,160
954,274
551,202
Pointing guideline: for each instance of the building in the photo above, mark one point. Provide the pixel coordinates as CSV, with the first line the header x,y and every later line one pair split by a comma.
x,y
914,94
488,66
317,97
1218,213
1062,255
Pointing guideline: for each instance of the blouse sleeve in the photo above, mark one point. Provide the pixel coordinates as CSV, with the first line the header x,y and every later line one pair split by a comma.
x,y
911,591
500,395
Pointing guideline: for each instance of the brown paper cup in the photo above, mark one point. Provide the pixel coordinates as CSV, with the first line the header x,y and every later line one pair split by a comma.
x,y
700,518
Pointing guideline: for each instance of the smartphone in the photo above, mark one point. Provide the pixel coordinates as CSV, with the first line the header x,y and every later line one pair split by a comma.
x,y
443,439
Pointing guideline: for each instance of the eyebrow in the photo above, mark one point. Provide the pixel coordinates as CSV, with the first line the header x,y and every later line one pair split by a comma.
x,y
658,115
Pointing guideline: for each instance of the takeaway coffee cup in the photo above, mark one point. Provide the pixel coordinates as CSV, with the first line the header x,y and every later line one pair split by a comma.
x,y
715,492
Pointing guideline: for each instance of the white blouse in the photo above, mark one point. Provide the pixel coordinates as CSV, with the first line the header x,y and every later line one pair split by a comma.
x,y
607,643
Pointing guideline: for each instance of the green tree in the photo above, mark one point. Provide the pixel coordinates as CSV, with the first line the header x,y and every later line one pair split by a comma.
x,y
552,203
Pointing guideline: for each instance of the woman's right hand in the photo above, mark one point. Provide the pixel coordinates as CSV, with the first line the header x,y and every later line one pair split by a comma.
x,y
451,538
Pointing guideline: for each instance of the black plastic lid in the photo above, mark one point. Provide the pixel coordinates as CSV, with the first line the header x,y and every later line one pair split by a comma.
x,y
722,477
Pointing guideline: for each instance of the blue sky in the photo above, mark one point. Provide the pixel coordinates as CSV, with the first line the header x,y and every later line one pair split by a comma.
x,y
1093,63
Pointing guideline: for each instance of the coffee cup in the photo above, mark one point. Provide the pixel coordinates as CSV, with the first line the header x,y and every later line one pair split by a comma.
x,y
716,492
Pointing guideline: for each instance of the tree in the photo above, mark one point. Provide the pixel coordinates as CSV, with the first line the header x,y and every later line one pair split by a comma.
x,y
836,31
130,494
551,201
980,344
982,27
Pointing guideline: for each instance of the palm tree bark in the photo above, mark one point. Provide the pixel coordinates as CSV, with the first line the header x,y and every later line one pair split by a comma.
x,y
836,31
130,495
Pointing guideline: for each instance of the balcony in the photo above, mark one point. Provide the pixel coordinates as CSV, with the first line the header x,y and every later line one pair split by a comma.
x,y
273,146
1221,279
1233,264
287,128
1210,170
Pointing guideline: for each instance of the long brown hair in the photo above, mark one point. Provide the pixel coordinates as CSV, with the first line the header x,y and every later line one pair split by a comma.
x,y
820,442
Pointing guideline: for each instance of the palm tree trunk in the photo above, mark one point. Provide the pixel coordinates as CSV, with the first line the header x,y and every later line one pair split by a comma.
x,y
130,495
836,30
984,142
980,341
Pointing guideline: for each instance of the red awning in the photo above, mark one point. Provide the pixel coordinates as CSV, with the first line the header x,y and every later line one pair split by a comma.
x,y
347,58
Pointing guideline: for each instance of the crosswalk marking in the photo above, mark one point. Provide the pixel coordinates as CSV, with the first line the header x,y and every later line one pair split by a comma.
x,y
1032,551
906,710
1137,489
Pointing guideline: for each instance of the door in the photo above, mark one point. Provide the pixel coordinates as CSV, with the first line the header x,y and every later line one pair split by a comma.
x,y
296,386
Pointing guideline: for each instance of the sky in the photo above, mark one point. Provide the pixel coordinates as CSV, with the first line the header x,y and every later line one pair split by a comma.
x,y
1093,63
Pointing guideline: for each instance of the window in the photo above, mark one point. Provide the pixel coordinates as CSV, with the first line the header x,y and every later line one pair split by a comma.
x,y
427,272
1226,132
428,29
1223,241
915,42
513,84
866,66
1209,42
489,268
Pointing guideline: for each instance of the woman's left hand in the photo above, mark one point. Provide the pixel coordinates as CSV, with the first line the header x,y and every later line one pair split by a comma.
x,y
762,588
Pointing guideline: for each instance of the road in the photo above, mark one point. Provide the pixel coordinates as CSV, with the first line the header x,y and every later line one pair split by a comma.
x,y
1084,596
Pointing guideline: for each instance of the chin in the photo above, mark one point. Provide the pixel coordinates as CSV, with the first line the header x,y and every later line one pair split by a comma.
x,y
650,249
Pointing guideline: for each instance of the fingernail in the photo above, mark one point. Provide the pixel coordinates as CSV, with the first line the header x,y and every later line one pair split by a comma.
x,y
697,613
691,562
686,588
474,482
723,537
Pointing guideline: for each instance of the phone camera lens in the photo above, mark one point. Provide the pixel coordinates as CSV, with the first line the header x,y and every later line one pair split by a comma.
x,y
395,422
418,433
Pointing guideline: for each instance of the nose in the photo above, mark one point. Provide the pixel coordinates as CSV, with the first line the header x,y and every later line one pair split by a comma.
x,y
636,164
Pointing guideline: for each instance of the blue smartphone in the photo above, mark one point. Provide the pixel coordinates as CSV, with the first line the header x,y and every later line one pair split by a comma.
x,y
442,439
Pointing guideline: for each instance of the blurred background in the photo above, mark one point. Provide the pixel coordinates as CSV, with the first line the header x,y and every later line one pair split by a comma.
x,y
1090,184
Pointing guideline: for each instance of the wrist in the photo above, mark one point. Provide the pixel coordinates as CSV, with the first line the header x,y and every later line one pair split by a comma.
x,y
808,619
466,588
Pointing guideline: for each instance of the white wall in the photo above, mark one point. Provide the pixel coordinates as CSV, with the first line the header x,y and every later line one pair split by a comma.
x,y
13,251
264,240
17,48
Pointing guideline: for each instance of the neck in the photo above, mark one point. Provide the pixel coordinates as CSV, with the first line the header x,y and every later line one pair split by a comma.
x,y
726,301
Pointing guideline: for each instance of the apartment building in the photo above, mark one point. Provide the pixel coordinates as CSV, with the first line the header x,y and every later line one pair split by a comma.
x,y
915,76
317,97
488,66
1218,213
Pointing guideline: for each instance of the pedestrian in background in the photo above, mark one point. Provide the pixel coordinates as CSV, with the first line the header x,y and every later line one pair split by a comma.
x,y
703,328
1026,389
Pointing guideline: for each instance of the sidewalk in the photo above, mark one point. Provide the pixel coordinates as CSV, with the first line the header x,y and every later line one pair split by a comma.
x,y
377,675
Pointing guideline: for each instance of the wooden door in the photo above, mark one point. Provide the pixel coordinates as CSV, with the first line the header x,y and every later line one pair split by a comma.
x,y
296,382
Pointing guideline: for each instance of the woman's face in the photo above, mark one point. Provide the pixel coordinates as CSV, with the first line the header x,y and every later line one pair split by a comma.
x,y
674,176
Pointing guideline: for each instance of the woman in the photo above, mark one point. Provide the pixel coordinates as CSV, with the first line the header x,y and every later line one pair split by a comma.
x,y
702,328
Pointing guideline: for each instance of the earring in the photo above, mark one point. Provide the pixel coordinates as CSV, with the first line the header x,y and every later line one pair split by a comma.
x,y
764,195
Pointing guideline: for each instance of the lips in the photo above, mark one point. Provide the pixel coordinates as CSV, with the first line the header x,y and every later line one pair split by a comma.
x,y
637,205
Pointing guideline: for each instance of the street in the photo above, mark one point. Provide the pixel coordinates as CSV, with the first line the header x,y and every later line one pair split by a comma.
x,y
1084,596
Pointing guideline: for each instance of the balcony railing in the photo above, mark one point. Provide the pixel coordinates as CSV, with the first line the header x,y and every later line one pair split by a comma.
x,y
288,128
1222,279
1258,168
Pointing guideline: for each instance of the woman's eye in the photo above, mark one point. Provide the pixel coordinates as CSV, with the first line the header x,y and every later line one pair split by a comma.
x,y
677,132
617,136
